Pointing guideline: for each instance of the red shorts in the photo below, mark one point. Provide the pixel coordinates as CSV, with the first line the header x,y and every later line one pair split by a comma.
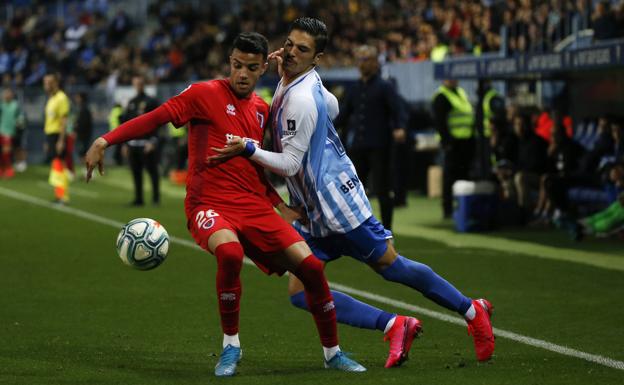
x,y
5,140
262,233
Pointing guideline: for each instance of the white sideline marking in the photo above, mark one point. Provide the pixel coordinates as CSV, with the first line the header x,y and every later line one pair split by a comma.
x,y
72,190
564,350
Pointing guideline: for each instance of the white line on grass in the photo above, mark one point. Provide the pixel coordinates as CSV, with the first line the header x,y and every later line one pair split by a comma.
x,y
72,190
564,350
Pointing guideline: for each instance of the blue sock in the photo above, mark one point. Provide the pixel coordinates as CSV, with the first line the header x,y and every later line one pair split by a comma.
x,y
422,278
350,311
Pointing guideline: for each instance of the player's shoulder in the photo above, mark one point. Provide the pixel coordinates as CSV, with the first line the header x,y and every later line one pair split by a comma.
x,y
260,104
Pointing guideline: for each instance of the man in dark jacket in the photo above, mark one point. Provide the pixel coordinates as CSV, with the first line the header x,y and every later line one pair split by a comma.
x,y
142,153
372,118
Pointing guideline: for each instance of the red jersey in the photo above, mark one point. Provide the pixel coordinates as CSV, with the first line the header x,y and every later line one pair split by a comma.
x,y
213,112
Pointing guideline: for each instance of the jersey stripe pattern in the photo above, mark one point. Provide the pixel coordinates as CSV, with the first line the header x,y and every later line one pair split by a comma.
x,y
327,185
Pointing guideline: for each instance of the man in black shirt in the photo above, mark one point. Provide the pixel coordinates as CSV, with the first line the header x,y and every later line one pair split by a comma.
x,y
142,153
373,118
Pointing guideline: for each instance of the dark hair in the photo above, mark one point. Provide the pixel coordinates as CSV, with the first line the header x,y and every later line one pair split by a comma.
x,y
251,42
315,28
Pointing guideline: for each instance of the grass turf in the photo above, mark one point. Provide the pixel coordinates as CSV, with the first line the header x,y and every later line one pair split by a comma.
x,y
72,313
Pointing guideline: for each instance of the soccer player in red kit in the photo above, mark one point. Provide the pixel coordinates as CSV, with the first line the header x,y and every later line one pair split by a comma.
x,y
229,206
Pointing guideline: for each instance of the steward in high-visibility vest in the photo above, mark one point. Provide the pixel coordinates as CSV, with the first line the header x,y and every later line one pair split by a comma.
x,y
460,119
493,110
454,120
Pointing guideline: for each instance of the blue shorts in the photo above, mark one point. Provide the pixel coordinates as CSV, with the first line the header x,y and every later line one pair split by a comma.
x,y
366,243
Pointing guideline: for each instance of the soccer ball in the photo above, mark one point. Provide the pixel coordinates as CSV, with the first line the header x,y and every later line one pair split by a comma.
x,y
143,243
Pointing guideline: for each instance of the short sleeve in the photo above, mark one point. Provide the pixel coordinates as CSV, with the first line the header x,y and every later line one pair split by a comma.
x,y
185,106
63,107
298,120
332,104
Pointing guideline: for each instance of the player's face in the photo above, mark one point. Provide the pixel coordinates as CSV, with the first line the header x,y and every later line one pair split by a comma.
x,y
245,70
299,53
49,83
7,95
368,64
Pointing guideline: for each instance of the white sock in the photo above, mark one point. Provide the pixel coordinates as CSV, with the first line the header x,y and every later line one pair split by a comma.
x,y
470,313
389,325
231,340
329,353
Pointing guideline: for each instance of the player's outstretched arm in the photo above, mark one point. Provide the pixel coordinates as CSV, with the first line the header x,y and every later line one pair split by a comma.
x,y
132,129
285,163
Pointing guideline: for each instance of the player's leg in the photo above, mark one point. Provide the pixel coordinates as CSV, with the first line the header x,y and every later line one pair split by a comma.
x,y
283,249
135,160
6,168
217,235
396,268
309,270
151,164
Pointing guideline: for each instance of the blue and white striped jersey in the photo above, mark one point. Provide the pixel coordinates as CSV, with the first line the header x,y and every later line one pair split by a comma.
x,y
326,185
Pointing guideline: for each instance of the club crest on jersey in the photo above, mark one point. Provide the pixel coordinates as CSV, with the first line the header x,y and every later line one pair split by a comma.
x,y
291,128
260,119
230,109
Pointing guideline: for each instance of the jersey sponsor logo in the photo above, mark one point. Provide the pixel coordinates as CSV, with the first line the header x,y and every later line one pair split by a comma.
x,y
291,128
230,109
260,118
229,137
349,185
328,306
206,219
227,296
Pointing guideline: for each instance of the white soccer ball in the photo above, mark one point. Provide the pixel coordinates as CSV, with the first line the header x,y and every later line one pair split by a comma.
x,y
143,243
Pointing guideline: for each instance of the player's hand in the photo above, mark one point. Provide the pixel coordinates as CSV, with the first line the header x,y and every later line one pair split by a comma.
x,y
95,157
279,59
399,135
149,147
291,214
233,147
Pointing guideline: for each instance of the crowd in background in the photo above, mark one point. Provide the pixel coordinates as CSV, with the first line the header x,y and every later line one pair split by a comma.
x,y
97,41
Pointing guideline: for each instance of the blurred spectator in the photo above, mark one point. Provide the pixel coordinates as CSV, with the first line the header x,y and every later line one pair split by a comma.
x,y
608,221
189,40
373,118
563,156
529,165
454,121
604,22
142,153
83,124
11,122
114,120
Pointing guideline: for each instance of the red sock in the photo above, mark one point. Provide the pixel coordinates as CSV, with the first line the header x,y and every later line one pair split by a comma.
x,y
319,299
229,264
6,160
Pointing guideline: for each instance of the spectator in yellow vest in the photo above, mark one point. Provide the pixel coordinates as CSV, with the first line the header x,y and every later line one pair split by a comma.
x,y
454,121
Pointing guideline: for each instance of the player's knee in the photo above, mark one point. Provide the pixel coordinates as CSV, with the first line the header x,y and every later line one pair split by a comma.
x,y
385,260
230,256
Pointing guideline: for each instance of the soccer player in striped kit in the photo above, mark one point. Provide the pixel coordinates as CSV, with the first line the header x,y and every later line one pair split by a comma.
x,y
332,211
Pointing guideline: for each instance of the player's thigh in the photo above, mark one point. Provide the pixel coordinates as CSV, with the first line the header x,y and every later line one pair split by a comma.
x,y
368,242
267,233
210,228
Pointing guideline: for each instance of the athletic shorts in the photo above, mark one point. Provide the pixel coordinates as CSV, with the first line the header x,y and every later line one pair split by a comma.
x,y
366,243
262,233
6,140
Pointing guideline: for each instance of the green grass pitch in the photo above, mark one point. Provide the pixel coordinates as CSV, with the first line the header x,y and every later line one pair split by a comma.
x,y
72,313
